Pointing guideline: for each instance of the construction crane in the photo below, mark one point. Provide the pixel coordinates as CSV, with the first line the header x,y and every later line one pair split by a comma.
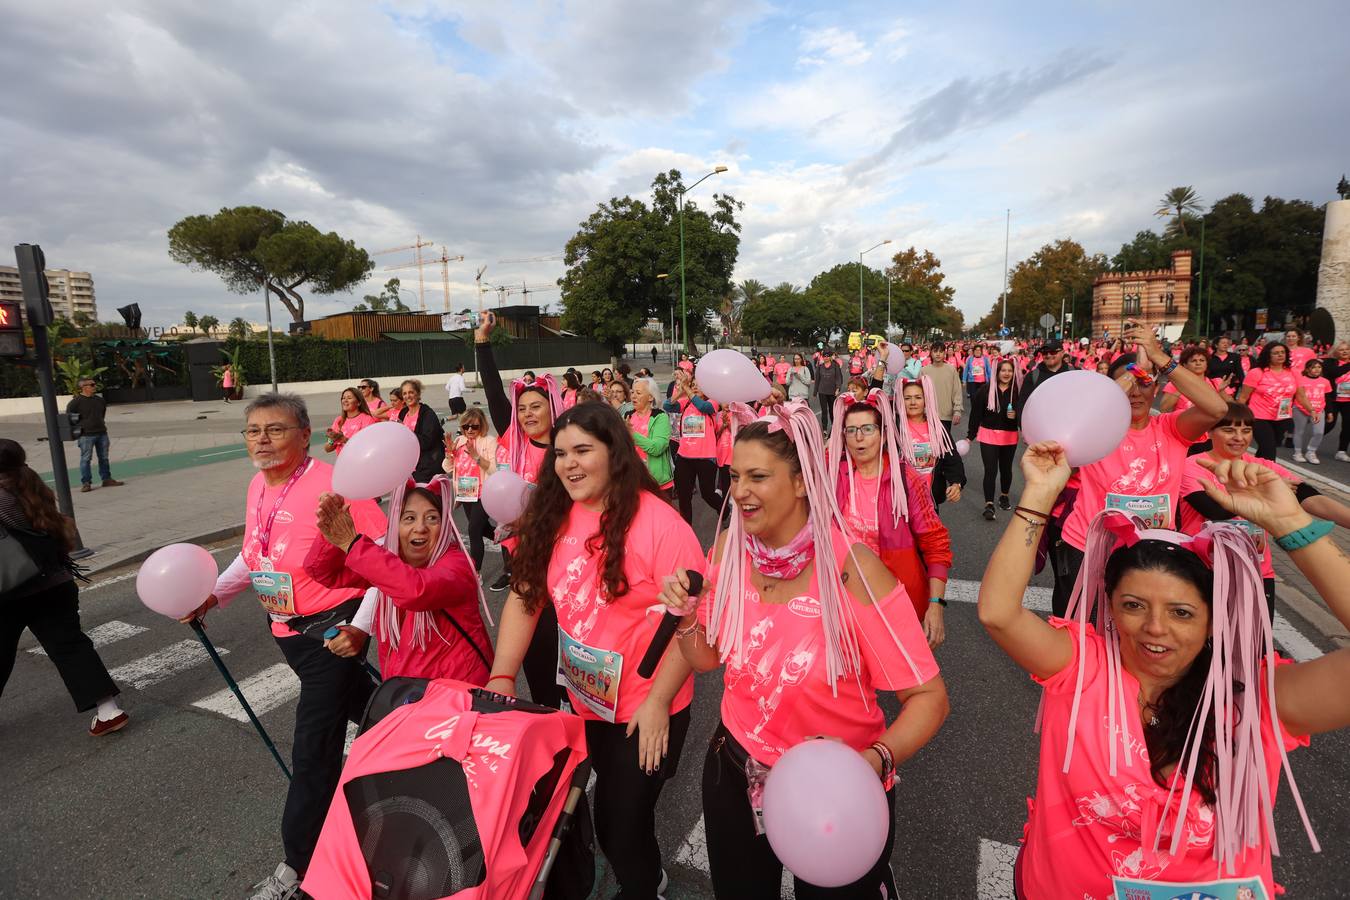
x,y
531,259
444,259
504,290
416,248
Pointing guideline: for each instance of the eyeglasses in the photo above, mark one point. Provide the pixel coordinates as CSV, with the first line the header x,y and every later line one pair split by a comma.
x,y
273,432
865,430
466,426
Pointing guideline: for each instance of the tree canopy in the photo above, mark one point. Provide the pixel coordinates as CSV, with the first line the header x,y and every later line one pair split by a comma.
x,y
611,287
387,300
252,248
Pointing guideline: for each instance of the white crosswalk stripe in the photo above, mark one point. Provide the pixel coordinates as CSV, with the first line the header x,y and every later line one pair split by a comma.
x,y
163,664
105,634
994,877
693,853
265,691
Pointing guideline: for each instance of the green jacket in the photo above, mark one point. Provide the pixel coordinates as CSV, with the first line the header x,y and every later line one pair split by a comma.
x,y
656,444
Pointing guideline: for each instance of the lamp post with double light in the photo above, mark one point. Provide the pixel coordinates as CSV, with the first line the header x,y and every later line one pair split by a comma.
x,y
860,280
684,306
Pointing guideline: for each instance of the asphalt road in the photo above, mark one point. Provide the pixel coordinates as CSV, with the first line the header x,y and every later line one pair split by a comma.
x,y
186,803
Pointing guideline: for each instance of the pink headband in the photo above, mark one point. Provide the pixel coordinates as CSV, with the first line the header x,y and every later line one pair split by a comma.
x,y
835,449
942,442
519,440
1016,382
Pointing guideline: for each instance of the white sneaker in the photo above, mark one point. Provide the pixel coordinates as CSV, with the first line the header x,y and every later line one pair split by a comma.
x,y
1312,458
1298,457
1342,456
283,884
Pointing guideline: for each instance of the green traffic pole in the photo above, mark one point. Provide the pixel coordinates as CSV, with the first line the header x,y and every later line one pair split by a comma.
x,y
229,680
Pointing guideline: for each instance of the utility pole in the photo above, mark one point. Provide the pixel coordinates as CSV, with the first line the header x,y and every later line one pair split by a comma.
x,y
1007,233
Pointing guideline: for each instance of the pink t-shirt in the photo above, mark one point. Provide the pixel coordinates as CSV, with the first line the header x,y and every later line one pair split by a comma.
x,y
468,474
294,529
698,431
1343,388
534,456
925,456
723,447
1088,825
1192,522
861,515
1299,356
410,419
780,371
1315,389
778,695
1272,393
350,425
1140,477
602,641
1183,402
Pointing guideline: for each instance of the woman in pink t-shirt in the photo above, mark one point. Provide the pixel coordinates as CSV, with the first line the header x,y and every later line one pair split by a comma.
x,y
925,443
696,458
786,594
995,422
1125,791
1195,359
1143,474
1270,389
355,415
595,543
1310,413
470,459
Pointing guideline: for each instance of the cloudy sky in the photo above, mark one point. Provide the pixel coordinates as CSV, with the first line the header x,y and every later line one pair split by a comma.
x,y
494,128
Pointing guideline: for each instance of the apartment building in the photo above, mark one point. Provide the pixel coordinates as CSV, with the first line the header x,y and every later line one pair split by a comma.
x,y
71,292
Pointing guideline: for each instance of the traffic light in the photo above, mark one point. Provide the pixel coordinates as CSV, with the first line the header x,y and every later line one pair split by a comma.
x,y
33,278
11,328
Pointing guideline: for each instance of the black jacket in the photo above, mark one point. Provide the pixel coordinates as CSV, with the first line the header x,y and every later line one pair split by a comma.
x,y
1035,377
431,440
1218,368
980,416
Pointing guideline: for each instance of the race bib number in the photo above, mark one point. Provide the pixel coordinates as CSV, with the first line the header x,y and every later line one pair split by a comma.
x,y
1225,889
1343,390
1256,531
466,487
1154,509
275,592
694,426
591,674
923,457
1286,408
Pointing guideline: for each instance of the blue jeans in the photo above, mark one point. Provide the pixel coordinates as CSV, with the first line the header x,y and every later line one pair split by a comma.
x,y
88,444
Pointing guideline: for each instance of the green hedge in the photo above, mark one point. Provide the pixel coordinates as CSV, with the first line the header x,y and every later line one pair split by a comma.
x,y
302,358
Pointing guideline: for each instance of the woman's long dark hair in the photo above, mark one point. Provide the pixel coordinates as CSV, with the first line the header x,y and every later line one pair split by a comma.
x,y
1175,707
1263,359
549,505
35,499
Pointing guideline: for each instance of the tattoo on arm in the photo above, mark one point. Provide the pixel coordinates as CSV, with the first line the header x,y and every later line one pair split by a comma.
x,y
1032,529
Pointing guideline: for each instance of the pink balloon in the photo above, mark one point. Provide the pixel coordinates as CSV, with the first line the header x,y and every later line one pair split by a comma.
x,y
504,496
825,813
963,446
895,361
730,377
1086,412
176,579
376,460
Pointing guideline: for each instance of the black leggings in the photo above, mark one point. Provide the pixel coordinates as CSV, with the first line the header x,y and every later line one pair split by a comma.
x,y
1343,413
478,529
1002,457
826,410
741,863
1269,434
53,615
704,472
625,802
540,664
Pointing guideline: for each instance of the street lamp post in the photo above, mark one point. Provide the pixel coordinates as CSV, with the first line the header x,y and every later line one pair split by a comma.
x,y
888,307
671,337
860,280
684,306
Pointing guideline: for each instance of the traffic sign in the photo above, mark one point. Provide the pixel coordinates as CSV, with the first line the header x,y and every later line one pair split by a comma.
x,y
1047,320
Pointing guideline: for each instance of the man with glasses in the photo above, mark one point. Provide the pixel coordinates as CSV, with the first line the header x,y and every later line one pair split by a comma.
x,y
1053,361
279,528
90,411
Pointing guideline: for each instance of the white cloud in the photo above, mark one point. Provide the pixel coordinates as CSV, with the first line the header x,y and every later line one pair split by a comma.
x,y
833,45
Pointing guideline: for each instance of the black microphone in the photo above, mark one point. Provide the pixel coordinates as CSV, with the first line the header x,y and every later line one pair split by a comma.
x,y
665,631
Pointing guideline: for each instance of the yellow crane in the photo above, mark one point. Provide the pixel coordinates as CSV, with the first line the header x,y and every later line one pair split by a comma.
x,y
444,259
416,248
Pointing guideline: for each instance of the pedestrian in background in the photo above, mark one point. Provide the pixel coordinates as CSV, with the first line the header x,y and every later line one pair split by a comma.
x,y
423,422
454,390
92,411
829,379
354,416
47,602
470,460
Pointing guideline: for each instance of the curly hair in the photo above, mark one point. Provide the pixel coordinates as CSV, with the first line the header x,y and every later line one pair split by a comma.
x,y
1176,706
35,499
550,504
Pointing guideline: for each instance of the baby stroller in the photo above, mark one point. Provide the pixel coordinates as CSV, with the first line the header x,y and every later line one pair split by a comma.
x,y
451,791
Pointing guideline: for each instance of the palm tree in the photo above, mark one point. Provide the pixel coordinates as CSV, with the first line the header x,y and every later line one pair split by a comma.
x,y
750,290
1176,205
240,329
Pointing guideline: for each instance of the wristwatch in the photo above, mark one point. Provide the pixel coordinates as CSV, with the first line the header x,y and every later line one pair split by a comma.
x,y
1297,540
940,601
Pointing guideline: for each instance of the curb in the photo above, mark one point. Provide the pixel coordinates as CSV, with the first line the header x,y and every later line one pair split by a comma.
x,y
102,563
1314,475
1314,613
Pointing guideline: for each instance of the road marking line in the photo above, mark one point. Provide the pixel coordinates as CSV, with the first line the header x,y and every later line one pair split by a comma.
x,y
105,634
265,691
116,579
149,670
994,878
220,452
1292,640
693,852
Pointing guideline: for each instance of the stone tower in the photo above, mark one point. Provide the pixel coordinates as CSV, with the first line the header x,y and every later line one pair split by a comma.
x,y
1333,275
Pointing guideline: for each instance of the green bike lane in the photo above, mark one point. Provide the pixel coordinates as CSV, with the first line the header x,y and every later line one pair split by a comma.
x,y
172,462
